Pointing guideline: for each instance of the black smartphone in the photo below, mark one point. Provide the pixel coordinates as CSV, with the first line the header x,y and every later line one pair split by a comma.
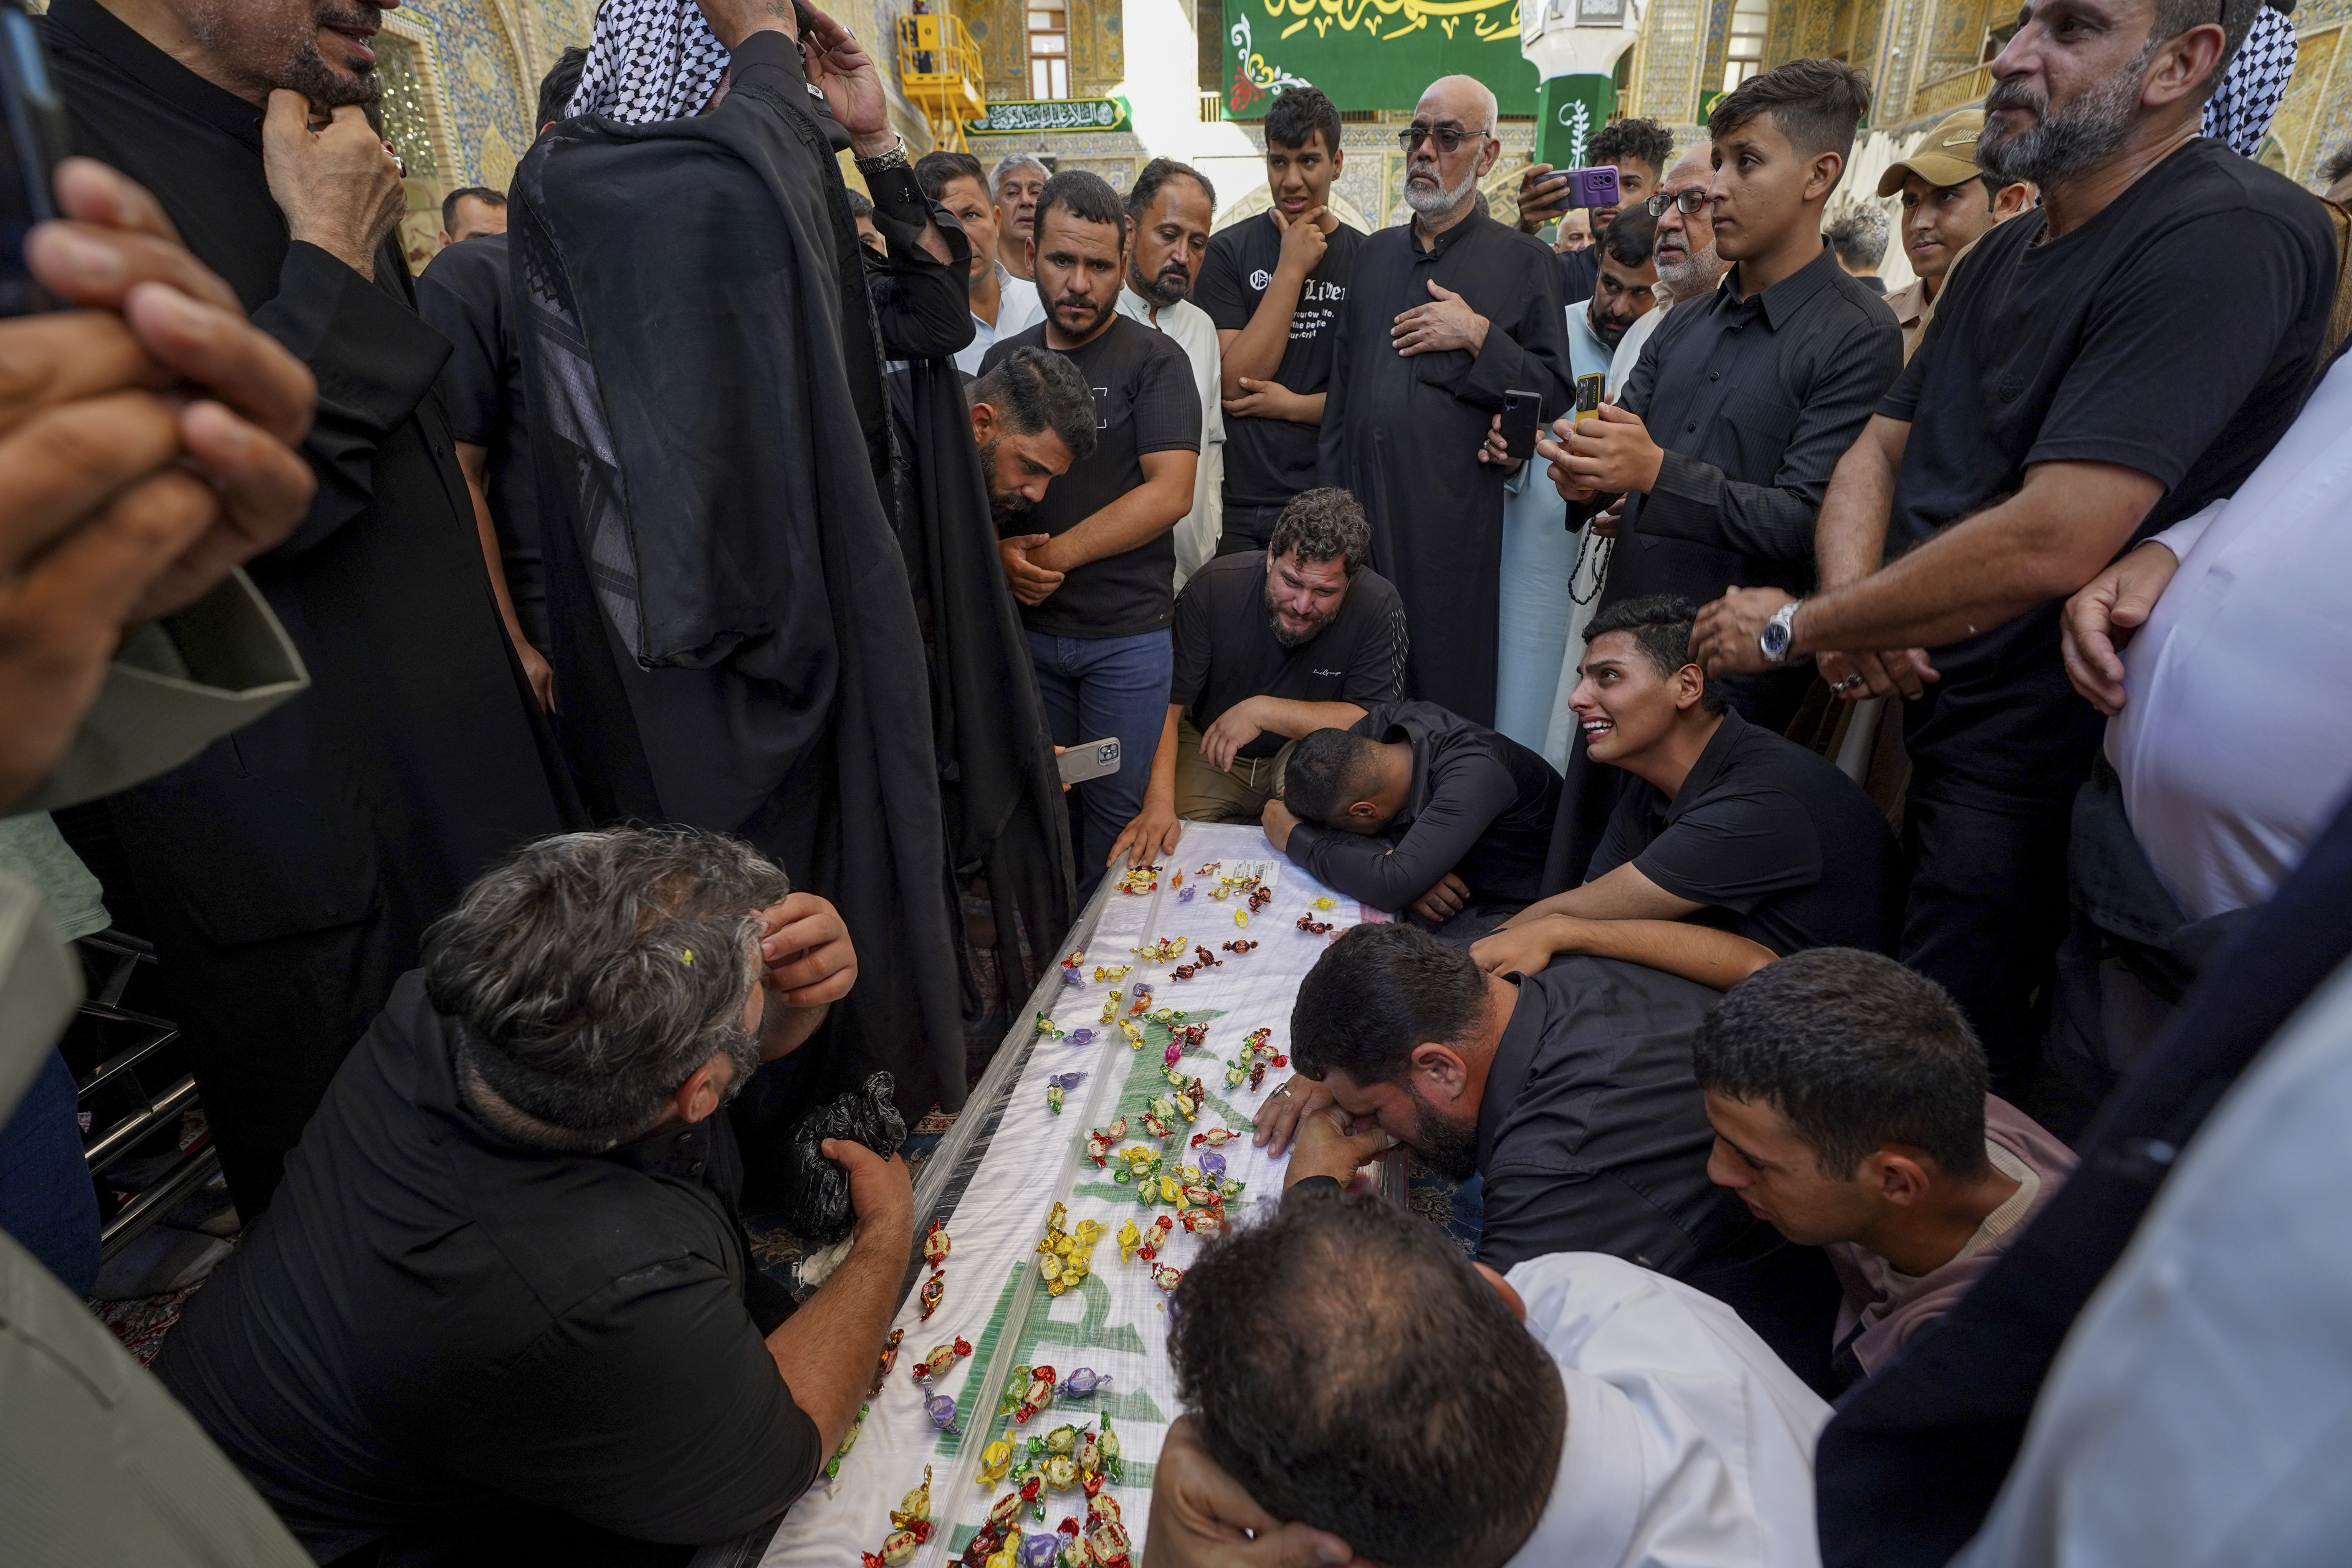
x,y
33,122
1522,412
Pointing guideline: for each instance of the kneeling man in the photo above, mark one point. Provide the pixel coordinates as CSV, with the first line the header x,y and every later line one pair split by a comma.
x,y
1271,645
1356,1391
1569,1091
501,1307
1721,824
1850,1110
1413,806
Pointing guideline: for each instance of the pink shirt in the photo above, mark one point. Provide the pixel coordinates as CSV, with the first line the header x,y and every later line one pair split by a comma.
x,y
1889,1307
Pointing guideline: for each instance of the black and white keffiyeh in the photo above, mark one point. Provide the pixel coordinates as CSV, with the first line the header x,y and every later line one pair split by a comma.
x,y
2240,109
650,60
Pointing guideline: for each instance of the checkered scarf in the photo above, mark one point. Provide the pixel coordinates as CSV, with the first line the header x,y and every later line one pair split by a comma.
x,y
650,60
2240,110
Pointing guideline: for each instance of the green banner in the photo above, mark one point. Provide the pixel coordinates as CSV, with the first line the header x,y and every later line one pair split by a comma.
x,y
1035,115
1570,112
1370,54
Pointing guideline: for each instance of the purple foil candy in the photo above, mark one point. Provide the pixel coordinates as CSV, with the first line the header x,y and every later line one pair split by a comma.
x,y
1039,1550
1066,1081
1082,1037
941,1408
1212,1165
1083,1382
1184,895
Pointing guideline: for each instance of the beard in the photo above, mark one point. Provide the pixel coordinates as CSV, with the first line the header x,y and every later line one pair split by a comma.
x,y
1610,330
283,50
2083,135
1448,1147
1002,508
1693,273
1294,639
1094,312
1433,200
1171,288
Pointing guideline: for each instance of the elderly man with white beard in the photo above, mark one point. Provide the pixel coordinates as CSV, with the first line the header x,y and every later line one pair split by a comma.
x,y
1444,316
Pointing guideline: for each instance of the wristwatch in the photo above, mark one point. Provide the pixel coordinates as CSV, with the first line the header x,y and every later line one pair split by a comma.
x,y
896,158
1777,633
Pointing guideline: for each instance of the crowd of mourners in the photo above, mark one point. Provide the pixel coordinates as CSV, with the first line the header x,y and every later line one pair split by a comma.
x,y
1847,789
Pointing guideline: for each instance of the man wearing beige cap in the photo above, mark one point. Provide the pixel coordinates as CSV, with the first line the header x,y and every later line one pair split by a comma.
x,y
1949,204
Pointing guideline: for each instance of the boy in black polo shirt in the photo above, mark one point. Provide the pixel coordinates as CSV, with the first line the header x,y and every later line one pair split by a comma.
x,y
1274,285
1093,565
1270,647
1723,824
1417,807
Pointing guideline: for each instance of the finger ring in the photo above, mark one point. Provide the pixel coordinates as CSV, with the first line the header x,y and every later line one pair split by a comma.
x,y
1282,1091
1848,684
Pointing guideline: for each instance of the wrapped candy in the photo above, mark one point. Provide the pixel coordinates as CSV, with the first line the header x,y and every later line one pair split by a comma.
x,y
1241,917
1204,959
1215,1137
1212,1165
995,1459
1071,974
1082,1381
1175,1052
942,1357
1090,1454
1134,1035
1039,1550
1103,1507
1167,1276
1187,1102
1110,1466
1046,1027
1156,1124
1236,1076
1057,1086
911,1524
1143,1002
1149,1250
1241,945
889,1359
1139,879
937,1244
1110,1008
1060,1471
1030,1391
1108,972
1109,1541
1129,1238
1314,927
1160,952
1203,1222
935,1289
1230,1190
833,1465
941,1409
1257,1078
1326,904
1182,971
1184,895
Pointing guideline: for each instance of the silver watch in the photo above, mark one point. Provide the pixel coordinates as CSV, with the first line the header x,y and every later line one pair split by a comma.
x,y
896,158
1778,635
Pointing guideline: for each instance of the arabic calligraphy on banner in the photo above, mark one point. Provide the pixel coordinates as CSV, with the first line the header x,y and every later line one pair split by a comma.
x,y
1347,48
1050,114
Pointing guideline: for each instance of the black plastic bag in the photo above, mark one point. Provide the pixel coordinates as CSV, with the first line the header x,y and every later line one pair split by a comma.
x,y
816,1190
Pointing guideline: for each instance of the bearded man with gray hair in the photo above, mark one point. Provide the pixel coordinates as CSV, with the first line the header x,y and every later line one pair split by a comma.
x,y
2027,445
1444,317
503,1310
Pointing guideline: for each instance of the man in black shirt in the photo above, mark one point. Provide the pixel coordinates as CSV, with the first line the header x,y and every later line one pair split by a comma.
x,y
464,296
1726,434
503,1305
1445,317
1270,647
1571,1092
1724,823
2084,385
1275,284
1099,593
1416,807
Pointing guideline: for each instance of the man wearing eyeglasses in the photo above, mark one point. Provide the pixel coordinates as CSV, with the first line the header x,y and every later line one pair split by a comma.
x,y
1444,315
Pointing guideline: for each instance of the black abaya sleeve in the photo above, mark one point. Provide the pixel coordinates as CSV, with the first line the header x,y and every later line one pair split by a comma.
x,y
375,360
922,304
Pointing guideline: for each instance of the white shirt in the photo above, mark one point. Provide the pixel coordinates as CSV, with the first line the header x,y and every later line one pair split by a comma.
x,y
1017,308
1197,531
2235,741
2197,1415
1688,1442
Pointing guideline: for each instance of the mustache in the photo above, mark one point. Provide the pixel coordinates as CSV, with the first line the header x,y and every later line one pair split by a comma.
x,y
364,15
2014,94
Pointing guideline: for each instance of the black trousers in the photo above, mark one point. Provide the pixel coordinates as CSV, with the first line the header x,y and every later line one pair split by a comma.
x,y
1247,528
1987,912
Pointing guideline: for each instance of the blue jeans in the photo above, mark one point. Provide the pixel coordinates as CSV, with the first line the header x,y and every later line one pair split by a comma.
x,y
1098,687
47,1201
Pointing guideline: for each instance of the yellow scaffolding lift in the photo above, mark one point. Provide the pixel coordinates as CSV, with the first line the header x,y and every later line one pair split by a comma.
x,y
938,67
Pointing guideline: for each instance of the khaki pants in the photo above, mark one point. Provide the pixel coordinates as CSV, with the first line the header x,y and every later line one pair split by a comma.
x,y
1205,795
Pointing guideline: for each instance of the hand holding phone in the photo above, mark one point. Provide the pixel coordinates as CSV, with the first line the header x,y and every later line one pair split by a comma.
x,y
1089,760
1522,412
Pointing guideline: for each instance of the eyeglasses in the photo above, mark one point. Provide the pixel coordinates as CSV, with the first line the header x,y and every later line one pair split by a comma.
x,y
1684,201
1448,137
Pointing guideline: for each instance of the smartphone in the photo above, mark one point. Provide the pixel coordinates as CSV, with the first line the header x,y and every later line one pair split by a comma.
x,y
33,124
1088,759
1593,187
1588,390
1522,412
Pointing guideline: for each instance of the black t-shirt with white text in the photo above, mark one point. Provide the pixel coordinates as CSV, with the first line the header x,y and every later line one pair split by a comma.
x,y
1267,461
1144,403
2173,333
1226,651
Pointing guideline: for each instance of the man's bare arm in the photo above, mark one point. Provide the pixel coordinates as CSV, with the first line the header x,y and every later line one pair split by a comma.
x,y
474,462
1621,894
2040,544
1850,536
1136,518
1291,719
826,1352
1697,953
